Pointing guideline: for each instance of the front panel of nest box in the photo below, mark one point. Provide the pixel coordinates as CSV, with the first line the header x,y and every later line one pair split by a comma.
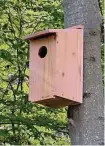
x,y
42,66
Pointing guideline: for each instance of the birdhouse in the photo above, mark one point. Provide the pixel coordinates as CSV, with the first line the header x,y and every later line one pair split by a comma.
x,y
56,67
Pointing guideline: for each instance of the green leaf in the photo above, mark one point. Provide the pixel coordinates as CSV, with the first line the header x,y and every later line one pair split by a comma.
x,y
4,133
4,54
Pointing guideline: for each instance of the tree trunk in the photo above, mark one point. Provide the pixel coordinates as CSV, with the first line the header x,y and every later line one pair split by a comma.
x,y
86,121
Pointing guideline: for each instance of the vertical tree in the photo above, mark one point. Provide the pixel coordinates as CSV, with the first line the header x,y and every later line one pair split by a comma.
x,y
86,120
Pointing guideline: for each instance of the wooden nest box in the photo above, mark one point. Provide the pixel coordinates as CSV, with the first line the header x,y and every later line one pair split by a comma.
x,y
56,67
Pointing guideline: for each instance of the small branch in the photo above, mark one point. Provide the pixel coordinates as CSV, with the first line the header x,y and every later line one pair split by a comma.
x,y
10,20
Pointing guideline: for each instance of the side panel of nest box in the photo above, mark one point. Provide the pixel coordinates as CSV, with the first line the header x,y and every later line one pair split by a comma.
x,y
69,65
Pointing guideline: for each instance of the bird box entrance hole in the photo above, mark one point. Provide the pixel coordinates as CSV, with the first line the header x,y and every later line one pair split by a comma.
x,y
42,51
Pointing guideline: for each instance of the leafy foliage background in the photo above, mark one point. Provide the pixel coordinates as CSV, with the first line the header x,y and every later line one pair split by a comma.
x,y
22,122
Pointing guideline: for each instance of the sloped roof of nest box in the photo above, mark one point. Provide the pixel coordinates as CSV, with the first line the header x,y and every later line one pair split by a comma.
x,y
49,32
42,34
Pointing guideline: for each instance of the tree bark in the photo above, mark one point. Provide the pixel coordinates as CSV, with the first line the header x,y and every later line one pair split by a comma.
x,y
86,121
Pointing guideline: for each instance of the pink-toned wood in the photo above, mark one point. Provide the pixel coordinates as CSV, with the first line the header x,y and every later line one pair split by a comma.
x,y
42,34
69,77
48,32
57,79
42,69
